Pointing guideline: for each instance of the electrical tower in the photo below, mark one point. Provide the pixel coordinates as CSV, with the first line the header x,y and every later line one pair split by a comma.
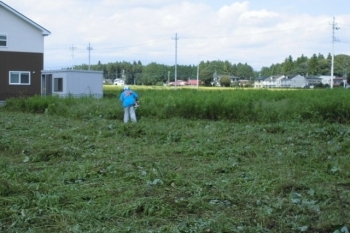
x,y
334,27
89,49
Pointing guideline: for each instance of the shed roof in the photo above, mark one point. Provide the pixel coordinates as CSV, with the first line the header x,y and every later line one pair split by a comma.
x,y
70,71
45,32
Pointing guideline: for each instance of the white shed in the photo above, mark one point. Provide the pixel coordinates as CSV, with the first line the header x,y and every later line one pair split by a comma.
x,y
72,83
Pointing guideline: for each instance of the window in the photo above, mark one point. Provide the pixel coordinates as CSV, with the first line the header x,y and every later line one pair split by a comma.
x,y
58,84
3,40
19,77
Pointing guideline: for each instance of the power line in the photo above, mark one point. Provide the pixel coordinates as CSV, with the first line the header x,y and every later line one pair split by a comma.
x,y
195,37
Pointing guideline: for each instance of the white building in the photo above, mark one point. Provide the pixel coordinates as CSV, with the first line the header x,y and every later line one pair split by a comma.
x,y
282,81
298,82
118,82
21,53
269,82
72,83
326,80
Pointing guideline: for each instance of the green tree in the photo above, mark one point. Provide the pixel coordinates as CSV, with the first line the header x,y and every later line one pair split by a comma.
x,y
227,69
287,66
225,81
324,66
206,76
320,56
300,66
244,71
313,68
342,65
275,69
265,71
154,73
234,70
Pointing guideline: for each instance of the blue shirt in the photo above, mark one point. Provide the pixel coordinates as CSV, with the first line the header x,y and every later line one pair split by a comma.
x,y
128,98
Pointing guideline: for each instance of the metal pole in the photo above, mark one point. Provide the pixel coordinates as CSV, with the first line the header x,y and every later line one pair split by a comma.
x,y
332,68
73,48
198,74
333,40
175,60
89,48
168,77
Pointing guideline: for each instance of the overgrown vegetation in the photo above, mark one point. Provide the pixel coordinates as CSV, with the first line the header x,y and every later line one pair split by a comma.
x,y
236,105
197,161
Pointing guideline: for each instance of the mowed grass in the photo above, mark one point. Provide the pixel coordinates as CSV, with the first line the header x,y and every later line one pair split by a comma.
x,y
85,171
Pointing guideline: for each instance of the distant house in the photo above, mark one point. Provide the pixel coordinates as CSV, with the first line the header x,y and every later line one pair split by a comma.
x,y
192,82
118,82
21,54
217,78
282,81
337,81
313,81
178,83
270,82
243,82
298,82
259,82
325,80
233,78
77,83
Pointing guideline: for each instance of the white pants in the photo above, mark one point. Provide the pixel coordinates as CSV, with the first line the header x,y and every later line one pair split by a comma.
x,y
129,114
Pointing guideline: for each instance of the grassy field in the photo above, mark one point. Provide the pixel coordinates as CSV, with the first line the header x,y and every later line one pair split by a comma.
x,y
71,165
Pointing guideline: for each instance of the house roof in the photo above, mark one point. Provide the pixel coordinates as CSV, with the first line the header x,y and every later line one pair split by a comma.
x,y
45,32
313,78
227,75
271,78
298,76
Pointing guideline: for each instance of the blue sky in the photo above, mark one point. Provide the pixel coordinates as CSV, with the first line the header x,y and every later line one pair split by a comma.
x,y
259,33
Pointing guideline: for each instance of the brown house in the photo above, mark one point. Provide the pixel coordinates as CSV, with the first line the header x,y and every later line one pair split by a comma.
x,y
21,54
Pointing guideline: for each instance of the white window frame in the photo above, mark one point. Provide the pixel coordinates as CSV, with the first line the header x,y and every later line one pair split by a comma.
x,y
19,78
58,87
3,40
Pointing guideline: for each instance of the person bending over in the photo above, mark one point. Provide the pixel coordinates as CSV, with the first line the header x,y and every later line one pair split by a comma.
x,y
129,98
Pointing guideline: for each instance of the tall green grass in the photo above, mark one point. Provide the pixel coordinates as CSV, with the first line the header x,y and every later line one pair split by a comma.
x,y
230,105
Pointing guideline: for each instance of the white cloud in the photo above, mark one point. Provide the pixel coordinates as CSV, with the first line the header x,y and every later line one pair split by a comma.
x,y
133,30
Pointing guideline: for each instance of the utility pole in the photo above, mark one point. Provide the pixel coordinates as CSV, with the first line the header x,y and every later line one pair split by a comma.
x,y
176,38
72,49
168,77
89,48
334,27
198,73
